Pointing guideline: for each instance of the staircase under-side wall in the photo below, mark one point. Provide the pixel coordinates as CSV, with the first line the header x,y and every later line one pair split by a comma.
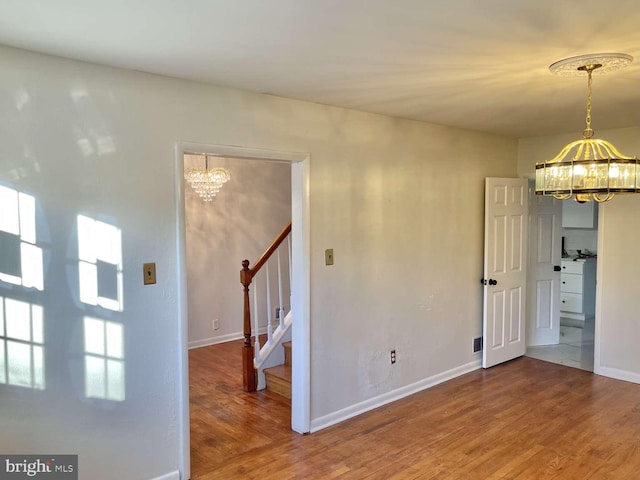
x,y
278,378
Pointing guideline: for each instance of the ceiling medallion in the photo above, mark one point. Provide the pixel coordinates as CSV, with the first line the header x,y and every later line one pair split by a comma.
x,y
574,66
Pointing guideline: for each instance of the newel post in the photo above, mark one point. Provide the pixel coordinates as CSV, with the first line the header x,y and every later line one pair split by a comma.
x,y
248,370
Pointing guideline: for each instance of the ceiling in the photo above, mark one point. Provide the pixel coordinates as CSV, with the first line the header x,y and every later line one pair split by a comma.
x,y
474,64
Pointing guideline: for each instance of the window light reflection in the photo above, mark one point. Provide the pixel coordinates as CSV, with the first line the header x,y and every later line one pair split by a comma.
x,y
95,137
99,242
104,359
18,218
21,344
21,99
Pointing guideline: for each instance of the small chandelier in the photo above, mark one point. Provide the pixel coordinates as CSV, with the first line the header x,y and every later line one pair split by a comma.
x,y
206,181
590,168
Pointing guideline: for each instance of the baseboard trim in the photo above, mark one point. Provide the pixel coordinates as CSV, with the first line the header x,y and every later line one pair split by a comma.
x,y
175,475
205,342
618,374
375,402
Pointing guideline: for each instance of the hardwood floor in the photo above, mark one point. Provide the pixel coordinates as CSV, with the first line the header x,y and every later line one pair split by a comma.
x,y
527,419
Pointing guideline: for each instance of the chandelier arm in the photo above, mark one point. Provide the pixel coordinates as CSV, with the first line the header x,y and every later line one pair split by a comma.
x,y
612,151
602,150
562,196
563,153
606,198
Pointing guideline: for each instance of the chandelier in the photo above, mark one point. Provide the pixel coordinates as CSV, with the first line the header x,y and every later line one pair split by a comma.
x,y
590,168
206,181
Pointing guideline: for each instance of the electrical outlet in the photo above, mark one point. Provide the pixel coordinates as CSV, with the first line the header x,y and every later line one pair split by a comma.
x,y
393,357
477,344
216,324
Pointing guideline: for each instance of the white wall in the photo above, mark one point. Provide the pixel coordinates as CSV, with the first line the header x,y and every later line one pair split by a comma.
x,y
580,239
240,223
618,302
618,306
400,202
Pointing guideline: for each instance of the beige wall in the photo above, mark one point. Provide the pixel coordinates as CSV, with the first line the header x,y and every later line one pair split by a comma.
x,y
400,202
618,301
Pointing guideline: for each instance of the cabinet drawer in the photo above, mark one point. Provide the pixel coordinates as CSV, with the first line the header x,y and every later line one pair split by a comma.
x,y
572,267
571,283
571,302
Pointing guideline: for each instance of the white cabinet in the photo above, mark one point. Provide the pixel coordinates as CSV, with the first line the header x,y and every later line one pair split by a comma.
x,y
579,215
578,288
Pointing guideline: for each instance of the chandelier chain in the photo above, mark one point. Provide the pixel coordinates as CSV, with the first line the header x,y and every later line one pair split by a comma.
x,y
588,132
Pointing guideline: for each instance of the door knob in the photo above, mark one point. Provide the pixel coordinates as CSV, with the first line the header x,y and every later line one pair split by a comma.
x,y
492,281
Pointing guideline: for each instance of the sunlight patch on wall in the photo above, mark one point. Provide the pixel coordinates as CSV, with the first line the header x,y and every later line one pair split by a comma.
x,y
21,261
21,344
21,99
94,137
104,359
100,263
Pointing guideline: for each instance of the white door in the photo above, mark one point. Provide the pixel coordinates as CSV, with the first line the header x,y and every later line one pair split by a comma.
x,y
505,269
543,281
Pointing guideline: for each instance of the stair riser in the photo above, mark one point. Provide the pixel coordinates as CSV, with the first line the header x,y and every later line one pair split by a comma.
x,y
278,385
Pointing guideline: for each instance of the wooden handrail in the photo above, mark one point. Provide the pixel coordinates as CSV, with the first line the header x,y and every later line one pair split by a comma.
x,y
249,378
269,251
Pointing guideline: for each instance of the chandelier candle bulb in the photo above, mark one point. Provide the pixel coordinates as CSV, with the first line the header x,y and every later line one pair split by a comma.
x,y
591,168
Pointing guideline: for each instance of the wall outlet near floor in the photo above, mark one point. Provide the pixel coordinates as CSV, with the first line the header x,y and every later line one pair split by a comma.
x,y
477,344
393,357
216,324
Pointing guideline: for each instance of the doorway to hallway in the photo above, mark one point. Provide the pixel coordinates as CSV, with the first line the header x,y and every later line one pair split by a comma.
x,y
300,275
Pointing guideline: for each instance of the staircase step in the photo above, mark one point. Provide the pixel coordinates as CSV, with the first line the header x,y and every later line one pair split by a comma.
x,y
279,380
287,353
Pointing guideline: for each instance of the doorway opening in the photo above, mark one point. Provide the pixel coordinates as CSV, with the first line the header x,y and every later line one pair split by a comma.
x,y
561,317
239,223
300,277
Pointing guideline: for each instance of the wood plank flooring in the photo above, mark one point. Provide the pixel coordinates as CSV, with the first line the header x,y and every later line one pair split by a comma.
x,y
527,419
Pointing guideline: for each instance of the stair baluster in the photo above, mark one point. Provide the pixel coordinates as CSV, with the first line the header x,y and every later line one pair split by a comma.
x,y
280,304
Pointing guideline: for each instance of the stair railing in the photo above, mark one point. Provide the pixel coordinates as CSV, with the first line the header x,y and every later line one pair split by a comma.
x,y
251,347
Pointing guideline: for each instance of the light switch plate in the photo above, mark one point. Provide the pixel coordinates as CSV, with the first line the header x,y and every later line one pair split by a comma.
x,y
328,256
149,273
